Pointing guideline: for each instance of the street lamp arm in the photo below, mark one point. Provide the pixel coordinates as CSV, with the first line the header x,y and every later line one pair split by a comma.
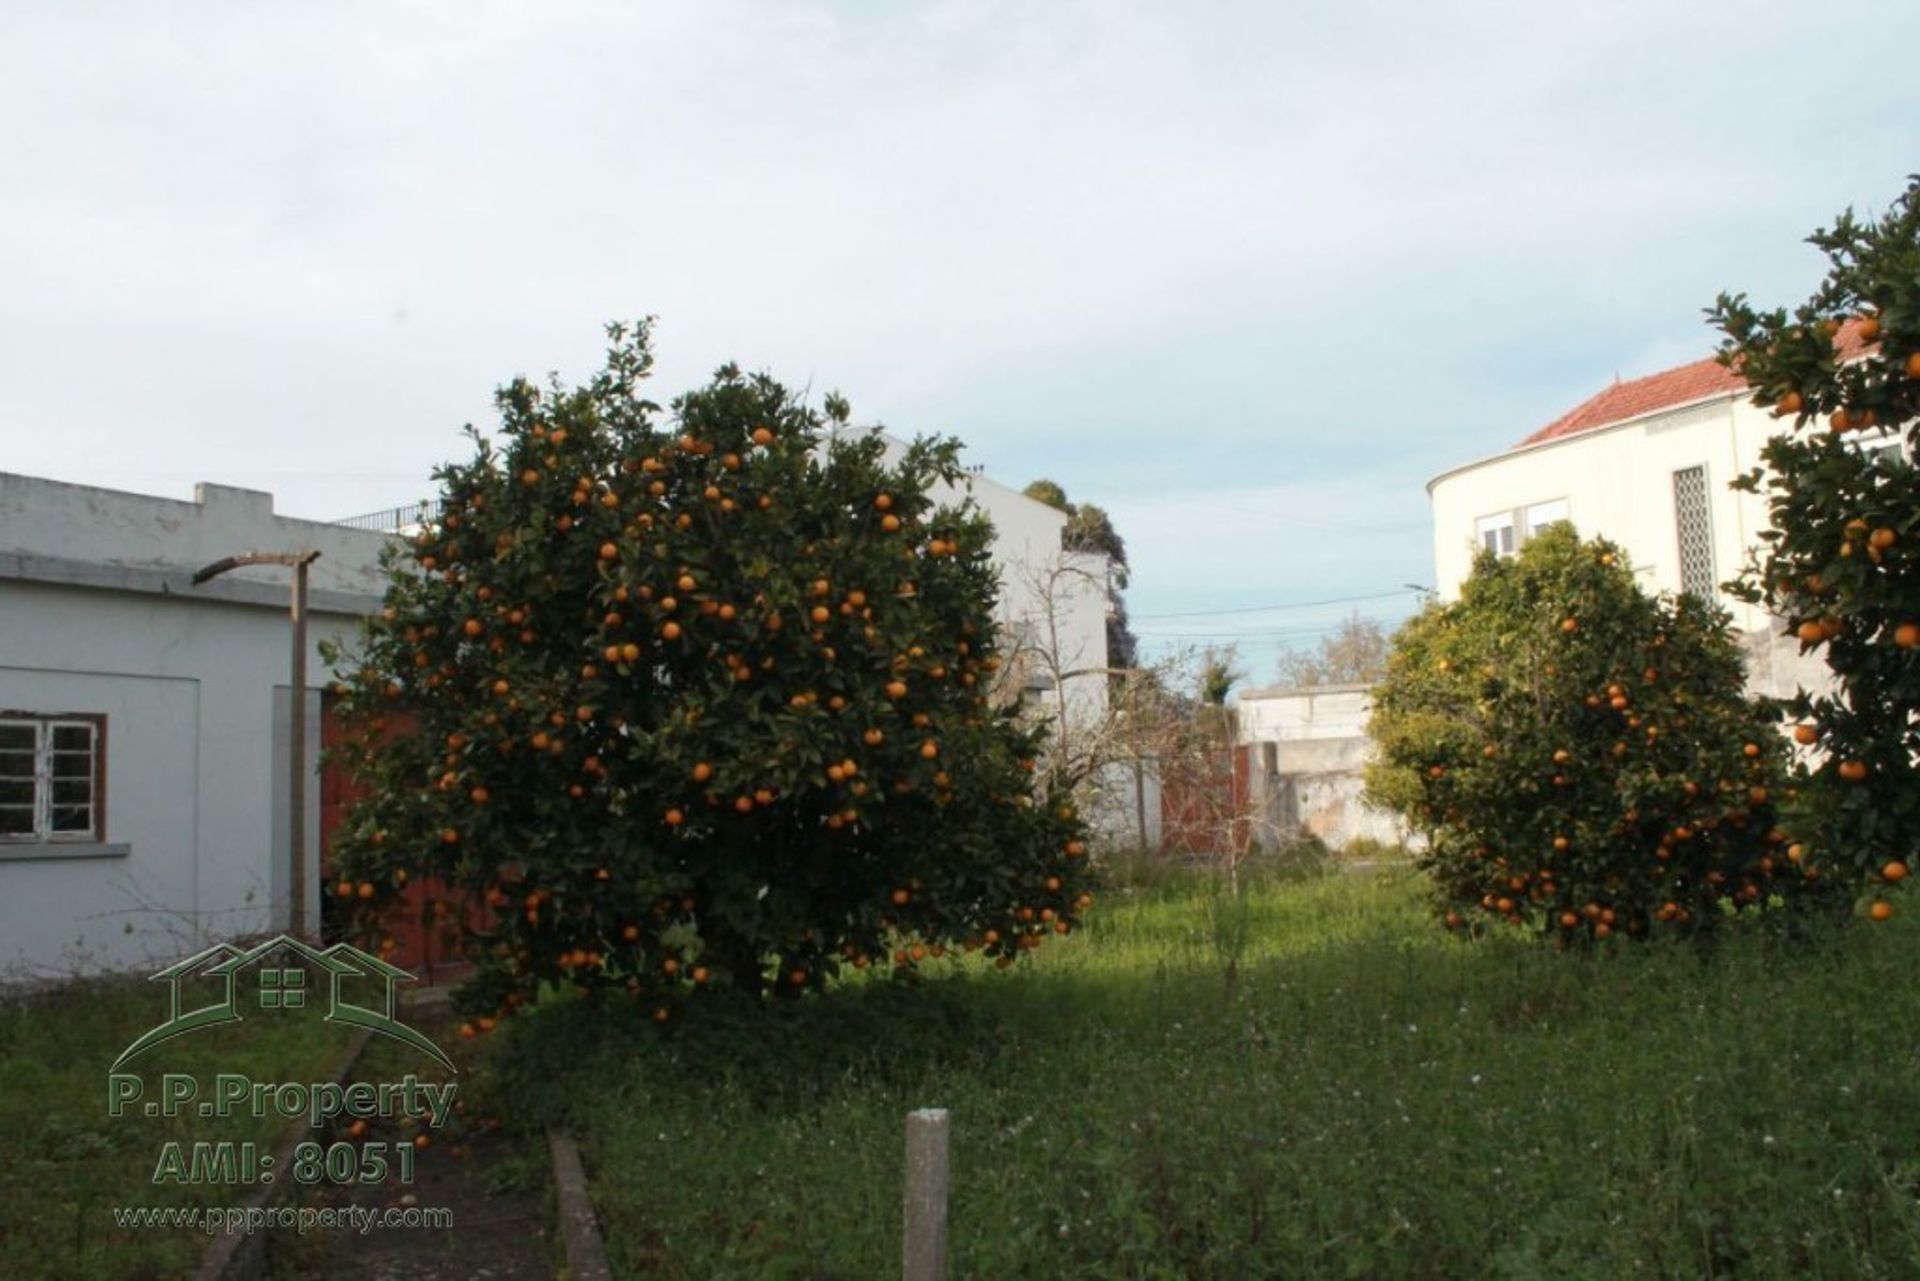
x,y
226,563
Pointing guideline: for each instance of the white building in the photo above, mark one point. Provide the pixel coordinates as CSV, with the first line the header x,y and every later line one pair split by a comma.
x,y
1645,463
143,720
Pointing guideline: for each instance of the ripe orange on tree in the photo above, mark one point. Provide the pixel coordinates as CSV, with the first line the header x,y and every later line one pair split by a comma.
x,y
616,803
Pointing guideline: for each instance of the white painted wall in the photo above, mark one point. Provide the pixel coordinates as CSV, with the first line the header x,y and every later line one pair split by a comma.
x,y
97,614
1303,715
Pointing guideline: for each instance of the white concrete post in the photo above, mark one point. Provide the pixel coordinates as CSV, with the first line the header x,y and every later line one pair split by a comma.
x,y
924,1252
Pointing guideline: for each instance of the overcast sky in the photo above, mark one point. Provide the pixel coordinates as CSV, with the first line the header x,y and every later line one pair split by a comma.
x,y
1247,274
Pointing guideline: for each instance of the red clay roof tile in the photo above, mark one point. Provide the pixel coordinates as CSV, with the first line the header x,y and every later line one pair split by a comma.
x,y
1665,390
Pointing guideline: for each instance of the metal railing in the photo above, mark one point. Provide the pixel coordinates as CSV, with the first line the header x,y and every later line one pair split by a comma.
x,y
394,520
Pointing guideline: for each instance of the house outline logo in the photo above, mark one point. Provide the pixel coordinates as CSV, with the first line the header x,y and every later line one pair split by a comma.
x,y
286,984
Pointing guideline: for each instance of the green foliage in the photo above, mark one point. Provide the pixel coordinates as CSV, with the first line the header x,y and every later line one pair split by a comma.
x,y
1368,849
1089,528
1049,492
66,1165
1220,671
1839,565
1581,755
683,704
1372,1098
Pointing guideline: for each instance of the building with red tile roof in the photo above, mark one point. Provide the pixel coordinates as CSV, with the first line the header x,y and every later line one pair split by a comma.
x,y
1645,462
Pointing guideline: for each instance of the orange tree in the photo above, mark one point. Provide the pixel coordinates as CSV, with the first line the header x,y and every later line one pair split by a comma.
x,y
698,706
1838,566
1580,755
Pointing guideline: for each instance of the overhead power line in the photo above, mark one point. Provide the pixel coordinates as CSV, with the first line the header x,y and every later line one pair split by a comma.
x,y
1264,634
1268,609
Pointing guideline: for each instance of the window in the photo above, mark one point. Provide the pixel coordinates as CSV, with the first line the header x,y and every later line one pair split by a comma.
x,y
1495,533
1503,532
1883,447
1541,515
52,777
1693,523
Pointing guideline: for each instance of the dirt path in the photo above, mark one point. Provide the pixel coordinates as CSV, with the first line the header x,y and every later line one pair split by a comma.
x,y
496,1185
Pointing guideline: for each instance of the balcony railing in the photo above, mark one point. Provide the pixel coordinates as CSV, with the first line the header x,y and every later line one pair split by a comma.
x,y
396,520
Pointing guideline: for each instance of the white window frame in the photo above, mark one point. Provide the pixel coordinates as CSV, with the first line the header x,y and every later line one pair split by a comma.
x,y
1560,511
44,728
1518,524
1496,524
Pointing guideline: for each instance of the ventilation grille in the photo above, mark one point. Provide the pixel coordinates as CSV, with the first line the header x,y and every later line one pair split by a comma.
x,y
1693,519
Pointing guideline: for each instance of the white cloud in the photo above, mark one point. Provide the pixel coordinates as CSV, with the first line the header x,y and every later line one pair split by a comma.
x,y
1309,255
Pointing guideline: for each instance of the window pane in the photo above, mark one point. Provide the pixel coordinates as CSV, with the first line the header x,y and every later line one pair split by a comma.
x,y
73,818
73,738
1496,533
16,820
16,764
72,791
16,791
73,764
15,737
1540,515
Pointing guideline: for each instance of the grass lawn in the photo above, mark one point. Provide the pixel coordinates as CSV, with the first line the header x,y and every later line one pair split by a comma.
x,y
1370,1098
65,1165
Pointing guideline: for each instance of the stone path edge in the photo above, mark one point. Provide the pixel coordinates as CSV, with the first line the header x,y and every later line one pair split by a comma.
x,y
242,1256
586,1254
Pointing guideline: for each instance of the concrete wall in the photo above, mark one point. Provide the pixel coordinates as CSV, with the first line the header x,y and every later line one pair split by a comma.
x,y
1309,751
97,614
54,531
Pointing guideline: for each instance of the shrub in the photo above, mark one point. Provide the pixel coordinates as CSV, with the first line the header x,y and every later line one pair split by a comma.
x,y
1580,755
1373,850
1839,566
1299,858
697,704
